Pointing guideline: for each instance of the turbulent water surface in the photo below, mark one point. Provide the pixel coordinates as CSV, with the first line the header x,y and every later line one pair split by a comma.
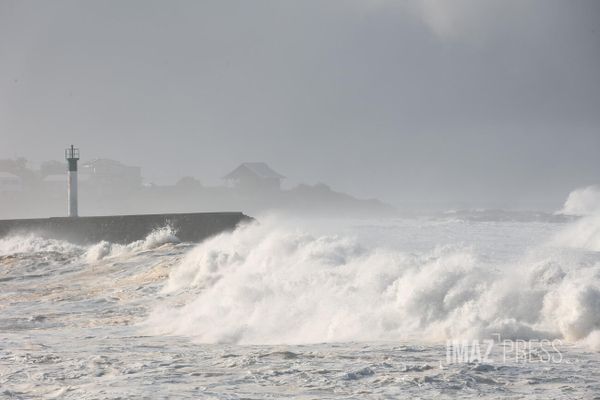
x,y
311,310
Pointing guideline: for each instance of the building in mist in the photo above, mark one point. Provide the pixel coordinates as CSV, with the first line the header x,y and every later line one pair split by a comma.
x,y
17,174
10,183
109,187
54,184
111,174
254,176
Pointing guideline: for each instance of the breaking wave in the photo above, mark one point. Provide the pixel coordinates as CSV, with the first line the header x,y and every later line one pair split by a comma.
x,y
583,201
156,238
30,243
265,285
584,233
33,244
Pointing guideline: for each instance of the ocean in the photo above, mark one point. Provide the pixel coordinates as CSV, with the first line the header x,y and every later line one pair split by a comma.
x,y
478,304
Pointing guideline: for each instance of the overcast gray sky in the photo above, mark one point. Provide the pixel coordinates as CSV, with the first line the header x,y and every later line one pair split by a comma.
x,y
408,101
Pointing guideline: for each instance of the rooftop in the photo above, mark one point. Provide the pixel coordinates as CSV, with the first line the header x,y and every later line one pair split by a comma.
x,y
260,169
8,175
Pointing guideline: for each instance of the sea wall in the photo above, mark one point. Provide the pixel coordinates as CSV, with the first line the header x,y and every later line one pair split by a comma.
x,y
189,227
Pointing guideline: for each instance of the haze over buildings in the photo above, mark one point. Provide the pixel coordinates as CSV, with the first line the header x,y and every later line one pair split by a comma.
x,y
110,187
468,103
348,199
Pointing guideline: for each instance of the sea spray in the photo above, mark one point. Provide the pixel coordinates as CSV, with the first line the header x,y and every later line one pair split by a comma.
x,y
156,238
584,233
264,284
405,282
31,243
583,201
258,285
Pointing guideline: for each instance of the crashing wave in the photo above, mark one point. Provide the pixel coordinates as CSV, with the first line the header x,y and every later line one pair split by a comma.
x,y
264,285
583,201
156,238
30,243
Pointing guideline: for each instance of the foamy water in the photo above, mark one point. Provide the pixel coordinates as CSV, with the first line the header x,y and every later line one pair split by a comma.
x,y
312,309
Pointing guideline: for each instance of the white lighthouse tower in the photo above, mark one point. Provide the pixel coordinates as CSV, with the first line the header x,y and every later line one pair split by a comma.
x,y
72,156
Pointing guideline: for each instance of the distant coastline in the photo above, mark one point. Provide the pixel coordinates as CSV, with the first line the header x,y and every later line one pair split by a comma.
x,y
108,187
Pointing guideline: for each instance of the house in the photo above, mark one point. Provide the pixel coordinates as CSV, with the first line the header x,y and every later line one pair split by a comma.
x,y
254,176
10,182
56,183
112,174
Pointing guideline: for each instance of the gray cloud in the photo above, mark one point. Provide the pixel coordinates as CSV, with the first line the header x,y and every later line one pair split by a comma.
x,y
429,101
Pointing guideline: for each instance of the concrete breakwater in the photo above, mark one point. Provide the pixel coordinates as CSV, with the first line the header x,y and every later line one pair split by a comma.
x,y
189,227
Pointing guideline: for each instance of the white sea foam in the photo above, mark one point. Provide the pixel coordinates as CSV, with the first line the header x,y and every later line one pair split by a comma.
x,y
406,281
30,243
156,238
584,233
263,284
583,201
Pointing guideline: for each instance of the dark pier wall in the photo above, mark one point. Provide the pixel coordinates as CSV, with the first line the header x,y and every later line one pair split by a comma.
x,y
191,227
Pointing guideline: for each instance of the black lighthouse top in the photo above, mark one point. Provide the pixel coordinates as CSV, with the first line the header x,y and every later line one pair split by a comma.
x,y
72,155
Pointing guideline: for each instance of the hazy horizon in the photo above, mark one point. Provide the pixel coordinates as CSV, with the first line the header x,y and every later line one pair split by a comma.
x,y
488,103
392,199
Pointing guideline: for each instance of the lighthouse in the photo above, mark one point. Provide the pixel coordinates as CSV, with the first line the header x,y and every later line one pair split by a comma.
x,y
72,156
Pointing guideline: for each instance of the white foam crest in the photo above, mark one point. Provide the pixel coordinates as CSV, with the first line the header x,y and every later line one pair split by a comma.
x,y
583,201
592,341
99,251
155,239
261,285
584,233
574,306
18,244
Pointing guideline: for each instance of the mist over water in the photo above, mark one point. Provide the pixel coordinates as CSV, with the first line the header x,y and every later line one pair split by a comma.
x,y
297,289
584,201
410,166
266,284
